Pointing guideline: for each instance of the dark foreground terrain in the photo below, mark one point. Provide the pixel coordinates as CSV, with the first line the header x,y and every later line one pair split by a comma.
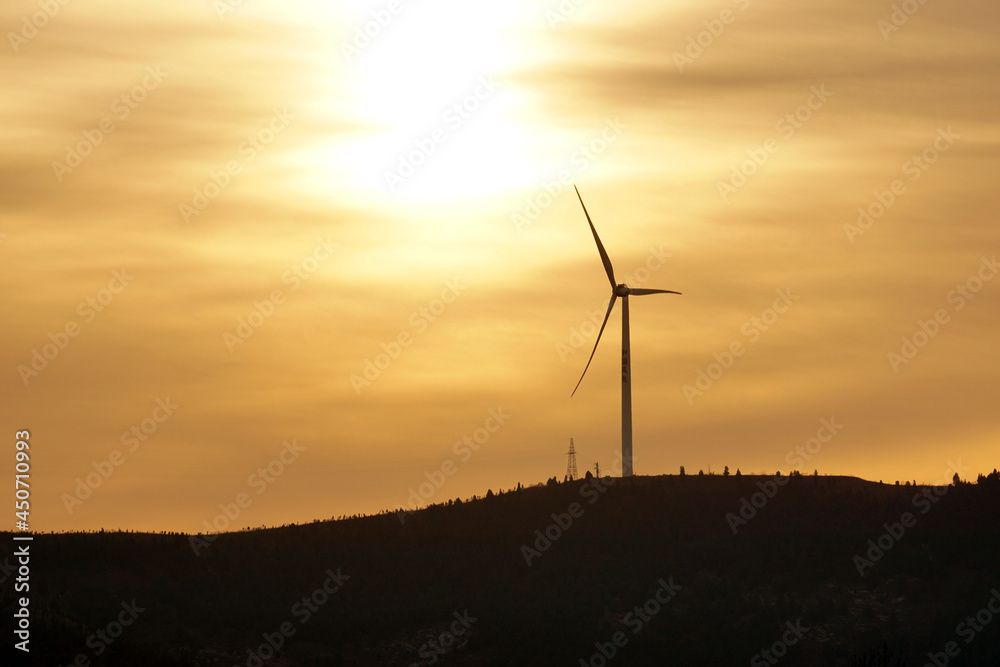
x,y
646,571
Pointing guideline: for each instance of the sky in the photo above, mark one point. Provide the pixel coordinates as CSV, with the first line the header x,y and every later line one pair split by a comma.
x,y
289,261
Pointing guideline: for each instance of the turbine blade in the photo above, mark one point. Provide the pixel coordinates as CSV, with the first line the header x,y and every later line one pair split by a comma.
x,y
600,246
604,324
636,291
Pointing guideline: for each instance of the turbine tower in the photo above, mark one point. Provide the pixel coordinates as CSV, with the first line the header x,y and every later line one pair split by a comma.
x,y
624,291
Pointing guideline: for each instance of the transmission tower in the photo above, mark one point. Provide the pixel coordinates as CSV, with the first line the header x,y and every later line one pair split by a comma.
x,y
571,464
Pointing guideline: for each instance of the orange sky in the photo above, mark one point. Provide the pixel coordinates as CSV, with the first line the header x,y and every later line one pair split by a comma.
x,y
170,169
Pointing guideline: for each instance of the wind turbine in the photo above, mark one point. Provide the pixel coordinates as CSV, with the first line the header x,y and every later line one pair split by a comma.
x,y
624,291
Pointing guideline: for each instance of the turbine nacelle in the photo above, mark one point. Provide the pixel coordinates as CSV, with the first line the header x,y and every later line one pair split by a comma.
x,y
621,290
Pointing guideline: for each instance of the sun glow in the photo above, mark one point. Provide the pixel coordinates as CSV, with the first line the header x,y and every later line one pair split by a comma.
x,y
426,91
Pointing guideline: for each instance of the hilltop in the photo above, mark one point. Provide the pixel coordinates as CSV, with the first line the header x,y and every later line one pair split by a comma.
x,y
649,571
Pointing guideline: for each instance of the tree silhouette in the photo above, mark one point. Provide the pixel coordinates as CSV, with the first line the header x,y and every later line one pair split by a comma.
x,y
242,584
682,471
725,472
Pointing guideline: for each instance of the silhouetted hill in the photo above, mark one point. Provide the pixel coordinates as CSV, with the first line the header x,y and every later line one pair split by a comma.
x,y
660,564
